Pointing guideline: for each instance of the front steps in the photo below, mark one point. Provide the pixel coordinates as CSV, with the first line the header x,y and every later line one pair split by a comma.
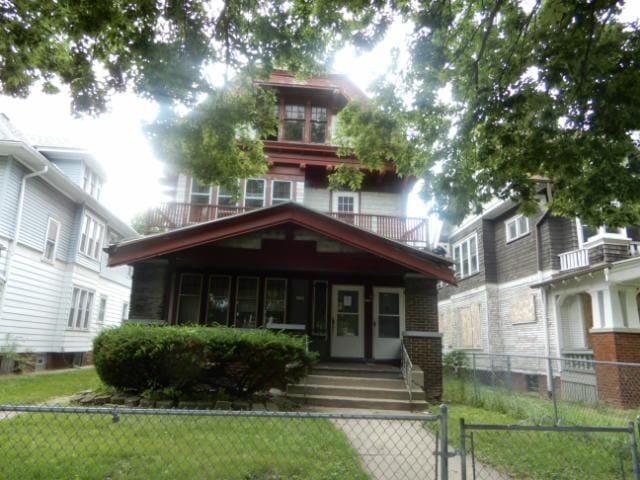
x,y
357,386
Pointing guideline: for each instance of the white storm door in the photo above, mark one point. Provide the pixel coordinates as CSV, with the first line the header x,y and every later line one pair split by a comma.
x,y
388,322
347,332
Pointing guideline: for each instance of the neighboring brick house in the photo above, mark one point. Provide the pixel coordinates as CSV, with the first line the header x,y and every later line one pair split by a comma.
x,y
348,268
544,286
56,292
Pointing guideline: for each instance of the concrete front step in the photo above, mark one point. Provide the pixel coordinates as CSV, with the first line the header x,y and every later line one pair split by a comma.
x,y
350,381
358,403
354,370
355,392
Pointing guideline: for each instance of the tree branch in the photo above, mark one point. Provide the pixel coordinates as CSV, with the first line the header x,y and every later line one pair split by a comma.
x,y
485,38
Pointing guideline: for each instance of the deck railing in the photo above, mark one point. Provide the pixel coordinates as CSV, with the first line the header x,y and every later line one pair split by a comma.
x,y
574,259
168,216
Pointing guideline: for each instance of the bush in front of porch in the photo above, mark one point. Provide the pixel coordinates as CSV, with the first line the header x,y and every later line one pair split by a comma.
x,y
199,360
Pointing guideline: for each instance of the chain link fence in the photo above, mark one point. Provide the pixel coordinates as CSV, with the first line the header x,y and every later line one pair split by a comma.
x,y
573,390
118,443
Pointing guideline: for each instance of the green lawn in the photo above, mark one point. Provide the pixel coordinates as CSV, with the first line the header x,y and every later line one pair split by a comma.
x,y
39,446
40,387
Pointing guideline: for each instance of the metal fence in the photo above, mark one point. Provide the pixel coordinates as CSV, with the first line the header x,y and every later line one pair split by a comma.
x,y
572,390
118,443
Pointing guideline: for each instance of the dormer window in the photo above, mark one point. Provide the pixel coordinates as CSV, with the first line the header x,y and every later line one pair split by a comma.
x,y
318,124
91,183
294,123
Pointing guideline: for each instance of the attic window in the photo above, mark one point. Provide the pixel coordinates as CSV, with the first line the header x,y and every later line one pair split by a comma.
x,y
294,123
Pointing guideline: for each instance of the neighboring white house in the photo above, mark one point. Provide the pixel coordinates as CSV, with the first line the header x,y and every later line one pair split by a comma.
x,y
56,291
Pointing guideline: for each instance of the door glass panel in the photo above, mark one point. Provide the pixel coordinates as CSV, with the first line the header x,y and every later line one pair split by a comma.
x,y
389,303
389,326
388,315
347,301
347,325
348,316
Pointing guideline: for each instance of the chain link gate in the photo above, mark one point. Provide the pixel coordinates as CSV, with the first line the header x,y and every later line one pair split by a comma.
x,y
540,451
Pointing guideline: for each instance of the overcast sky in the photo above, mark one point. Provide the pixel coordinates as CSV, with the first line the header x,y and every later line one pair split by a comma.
x,y
116,137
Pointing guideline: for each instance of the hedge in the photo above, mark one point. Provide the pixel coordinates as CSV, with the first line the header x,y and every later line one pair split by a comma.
x,y
188,359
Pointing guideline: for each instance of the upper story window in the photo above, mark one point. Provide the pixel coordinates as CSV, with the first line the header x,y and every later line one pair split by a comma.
x,y
517,227
254,193
587,232
92,234
318,124
51,240
465,256
281,191
294,123
91,183
200,194
345,202
226,196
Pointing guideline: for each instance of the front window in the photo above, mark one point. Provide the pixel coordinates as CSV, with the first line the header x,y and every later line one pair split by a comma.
x,y
465,256
189,296
80,311
92,237
247,302
517,227
218,300
254,196
102,310
275,301
51,240
388,312
320,308
294,123
200,194
318,124
125,311
281,192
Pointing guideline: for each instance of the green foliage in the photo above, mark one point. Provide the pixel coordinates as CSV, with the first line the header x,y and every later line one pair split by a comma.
x,y
40,387
456,363
219,140
189,359
11,360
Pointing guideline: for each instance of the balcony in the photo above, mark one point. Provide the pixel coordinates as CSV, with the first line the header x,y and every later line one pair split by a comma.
x,y
607,250
574,259
171,215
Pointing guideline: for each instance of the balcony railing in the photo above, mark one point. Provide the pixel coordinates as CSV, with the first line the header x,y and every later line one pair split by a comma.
x,y
574,259
171,215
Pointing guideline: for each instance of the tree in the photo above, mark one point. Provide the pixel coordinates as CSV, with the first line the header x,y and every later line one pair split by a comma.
x,y
539,89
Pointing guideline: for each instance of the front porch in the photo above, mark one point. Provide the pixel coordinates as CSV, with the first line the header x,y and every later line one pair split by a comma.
x,y
358,296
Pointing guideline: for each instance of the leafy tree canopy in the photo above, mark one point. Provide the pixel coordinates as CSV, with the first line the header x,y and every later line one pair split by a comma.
x,y
538,88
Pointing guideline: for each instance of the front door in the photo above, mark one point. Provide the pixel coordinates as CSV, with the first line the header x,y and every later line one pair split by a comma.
x,y
347,333
388,322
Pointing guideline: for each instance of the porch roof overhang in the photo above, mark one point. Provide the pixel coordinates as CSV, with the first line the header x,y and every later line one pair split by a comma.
x,y
153,246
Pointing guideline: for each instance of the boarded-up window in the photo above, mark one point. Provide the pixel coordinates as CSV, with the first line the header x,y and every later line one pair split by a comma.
x,y
446,327
523,308
469,319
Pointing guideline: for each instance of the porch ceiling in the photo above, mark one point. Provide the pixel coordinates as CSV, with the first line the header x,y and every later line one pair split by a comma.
x,y
415,260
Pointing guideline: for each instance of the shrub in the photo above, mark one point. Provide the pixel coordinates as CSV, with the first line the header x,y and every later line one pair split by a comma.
x,y
189,359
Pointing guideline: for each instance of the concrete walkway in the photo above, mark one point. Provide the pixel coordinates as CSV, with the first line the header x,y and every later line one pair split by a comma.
x,y
401,450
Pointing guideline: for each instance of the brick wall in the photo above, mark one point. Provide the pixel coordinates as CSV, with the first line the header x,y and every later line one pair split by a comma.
x,y
618,385
148,292
421,315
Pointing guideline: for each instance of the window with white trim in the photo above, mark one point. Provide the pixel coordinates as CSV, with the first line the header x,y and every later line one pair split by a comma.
x,y
80,311
91,237
125,312
281,191
226,196
51,240
254,193
218,300
275,301
247,302
91,183
102,310
200,194
345,202
516,227
465,256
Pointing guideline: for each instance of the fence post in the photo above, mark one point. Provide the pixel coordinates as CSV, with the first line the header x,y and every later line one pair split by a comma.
x,y
509,382
553,390
463,451
444,442
634,449
475,378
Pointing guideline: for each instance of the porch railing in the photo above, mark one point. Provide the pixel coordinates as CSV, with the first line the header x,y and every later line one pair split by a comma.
x,y
574,259
407,369
171,215
579,361
634,248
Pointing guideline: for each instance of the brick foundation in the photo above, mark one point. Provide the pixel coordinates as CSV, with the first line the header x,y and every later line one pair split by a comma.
x,y
617,385
421,315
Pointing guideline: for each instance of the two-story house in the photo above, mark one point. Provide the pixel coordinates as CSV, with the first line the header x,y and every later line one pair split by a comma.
x,y
56,291
348,268
546,286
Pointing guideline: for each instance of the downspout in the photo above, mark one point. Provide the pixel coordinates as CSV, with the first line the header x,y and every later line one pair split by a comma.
x,y
4,278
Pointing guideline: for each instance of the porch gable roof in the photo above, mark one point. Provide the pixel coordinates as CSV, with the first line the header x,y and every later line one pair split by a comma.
x,y
145,248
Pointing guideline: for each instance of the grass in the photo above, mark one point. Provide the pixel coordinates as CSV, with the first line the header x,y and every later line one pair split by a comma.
x,y
538,455
40,387
39,446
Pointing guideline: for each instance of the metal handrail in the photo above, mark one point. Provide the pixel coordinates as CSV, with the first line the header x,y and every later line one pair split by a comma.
x,y
407,370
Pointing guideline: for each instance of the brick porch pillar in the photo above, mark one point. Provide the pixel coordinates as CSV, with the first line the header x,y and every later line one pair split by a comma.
x,y
617,385
421,336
